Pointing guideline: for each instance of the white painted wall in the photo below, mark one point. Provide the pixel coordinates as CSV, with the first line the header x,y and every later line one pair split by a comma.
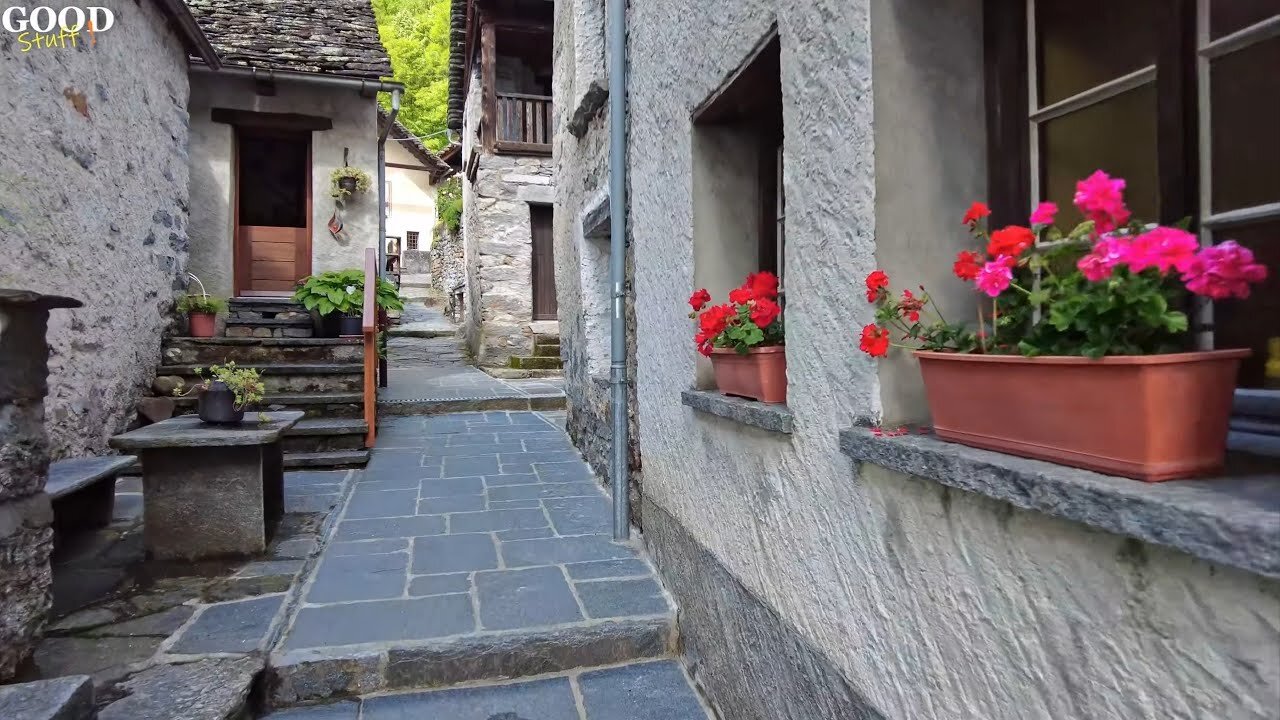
x,y
413,198
212,215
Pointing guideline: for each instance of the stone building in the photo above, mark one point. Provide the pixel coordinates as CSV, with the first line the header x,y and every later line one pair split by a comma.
x,y
267,131
413,173
500,95
821,571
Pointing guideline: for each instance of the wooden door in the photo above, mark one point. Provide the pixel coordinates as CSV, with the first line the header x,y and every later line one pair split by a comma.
x,y
544,265
273,211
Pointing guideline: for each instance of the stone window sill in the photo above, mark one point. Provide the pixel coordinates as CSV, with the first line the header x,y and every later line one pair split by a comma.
x,y
767,416
1231,520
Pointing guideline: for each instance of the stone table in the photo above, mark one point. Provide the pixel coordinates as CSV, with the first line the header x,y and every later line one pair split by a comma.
x,y
210,490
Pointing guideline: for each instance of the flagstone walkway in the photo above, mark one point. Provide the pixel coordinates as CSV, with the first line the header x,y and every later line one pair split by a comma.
x,y
476,547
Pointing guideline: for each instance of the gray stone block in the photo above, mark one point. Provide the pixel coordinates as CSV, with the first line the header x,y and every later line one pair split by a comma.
x,y
359,577
550,699
160,624
512,479
631,567
529,534
309,675
580,516
106,659
334,711
367,547
564,472
451,486
524,504
390,528
211,689
440,584
525,598
454,553
390,481
555,551
766,416
382,504
643,691
381,621
233,627
494,520
544,490
456,503
622,598
469,466
65,698
436,454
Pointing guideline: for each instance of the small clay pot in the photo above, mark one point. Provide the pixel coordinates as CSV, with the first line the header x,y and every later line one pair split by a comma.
x,y
202,325
217,404
760,374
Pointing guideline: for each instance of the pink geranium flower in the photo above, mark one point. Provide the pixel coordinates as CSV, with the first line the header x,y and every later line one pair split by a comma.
x,y
1094,267
1044,214
1223,271
995,276
1164,248
1101,198
1107,253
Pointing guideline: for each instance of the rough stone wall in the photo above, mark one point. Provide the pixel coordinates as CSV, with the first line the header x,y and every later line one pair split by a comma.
x,y
26,538
212,179
582,247
93,204
448,269
499,244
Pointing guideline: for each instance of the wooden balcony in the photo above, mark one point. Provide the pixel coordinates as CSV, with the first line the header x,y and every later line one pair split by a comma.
x,y
523,124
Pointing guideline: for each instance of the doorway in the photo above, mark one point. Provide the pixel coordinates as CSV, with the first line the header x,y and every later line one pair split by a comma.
x,y
544,265
272,211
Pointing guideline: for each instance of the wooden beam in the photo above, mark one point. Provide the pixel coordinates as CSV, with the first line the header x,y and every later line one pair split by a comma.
x,y
274,121
405,166
488,81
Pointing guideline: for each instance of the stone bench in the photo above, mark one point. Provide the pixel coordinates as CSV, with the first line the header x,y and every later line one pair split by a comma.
x,y
83,491
210,490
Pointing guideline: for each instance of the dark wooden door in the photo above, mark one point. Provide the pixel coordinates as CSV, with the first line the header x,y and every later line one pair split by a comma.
x,y
544,265
273,211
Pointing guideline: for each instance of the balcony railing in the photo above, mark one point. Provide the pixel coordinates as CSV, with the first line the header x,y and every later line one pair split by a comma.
x,y
524,123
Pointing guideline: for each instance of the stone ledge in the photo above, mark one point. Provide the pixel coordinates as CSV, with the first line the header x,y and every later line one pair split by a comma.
x,y
1229,521
767,416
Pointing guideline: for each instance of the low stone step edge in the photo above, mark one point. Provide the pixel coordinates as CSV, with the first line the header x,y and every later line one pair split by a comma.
x,y
428,406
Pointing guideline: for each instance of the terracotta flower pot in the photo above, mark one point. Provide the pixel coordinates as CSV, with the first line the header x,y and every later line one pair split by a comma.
x,y
1148,417
761,374
202,325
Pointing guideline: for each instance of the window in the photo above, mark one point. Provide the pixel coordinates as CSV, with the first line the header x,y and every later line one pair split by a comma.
x,y
1179,97
411,240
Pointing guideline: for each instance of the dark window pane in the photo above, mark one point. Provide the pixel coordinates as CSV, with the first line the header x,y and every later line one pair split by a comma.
x,y
1244,113
273,181
1084,43
1228,16
1118,136
1249,323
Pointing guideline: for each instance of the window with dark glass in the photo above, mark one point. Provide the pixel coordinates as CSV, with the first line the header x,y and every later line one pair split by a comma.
x,y
411,240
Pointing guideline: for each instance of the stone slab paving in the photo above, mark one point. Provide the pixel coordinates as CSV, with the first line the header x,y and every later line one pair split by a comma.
x,y
656,690
432,375
474,545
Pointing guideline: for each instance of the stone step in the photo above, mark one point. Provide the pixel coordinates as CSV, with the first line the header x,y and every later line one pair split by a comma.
x,y
518,374
325,460
536,363
415,332
315,405
285,378
436,407
546,350
544,339
254,351
293,326
415,280
319,435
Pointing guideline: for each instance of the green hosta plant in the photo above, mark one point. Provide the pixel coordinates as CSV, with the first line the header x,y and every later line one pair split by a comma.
x,y
342,292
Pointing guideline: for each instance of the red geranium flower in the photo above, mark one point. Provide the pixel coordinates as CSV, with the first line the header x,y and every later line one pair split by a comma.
x,y
699,299
877,281
910,305
967,265
715,319
763,285
875,341
764,312
1010,241
740,296
976,212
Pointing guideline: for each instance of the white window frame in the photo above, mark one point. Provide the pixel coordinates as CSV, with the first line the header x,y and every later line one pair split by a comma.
x,y
1207,51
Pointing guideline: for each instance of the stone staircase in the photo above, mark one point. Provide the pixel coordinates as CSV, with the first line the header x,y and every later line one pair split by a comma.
x,y
544,362
323,377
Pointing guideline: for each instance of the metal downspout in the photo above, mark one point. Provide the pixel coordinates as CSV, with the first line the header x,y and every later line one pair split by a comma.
x,y
619,466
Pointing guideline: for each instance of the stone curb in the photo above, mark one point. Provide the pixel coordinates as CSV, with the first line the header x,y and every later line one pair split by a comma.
x,y
451,405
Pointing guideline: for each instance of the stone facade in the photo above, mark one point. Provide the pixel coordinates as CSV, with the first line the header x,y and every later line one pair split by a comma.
x,y
26,533
498,243
811,587
95,204
582,243
448,266
212,179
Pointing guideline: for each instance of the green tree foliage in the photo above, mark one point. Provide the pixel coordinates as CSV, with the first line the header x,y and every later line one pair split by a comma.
x,y
416,35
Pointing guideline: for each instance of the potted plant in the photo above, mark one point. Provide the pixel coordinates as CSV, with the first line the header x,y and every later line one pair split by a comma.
x,y
346,181
1081,353
338,297
225,392
202,313
744,339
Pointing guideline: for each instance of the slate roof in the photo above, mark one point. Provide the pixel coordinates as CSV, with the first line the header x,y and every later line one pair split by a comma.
x,y
437,168
329,37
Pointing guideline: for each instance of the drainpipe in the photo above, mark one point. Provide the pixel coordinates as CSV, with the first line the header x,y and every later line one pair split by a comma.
x,y
616,11
382,182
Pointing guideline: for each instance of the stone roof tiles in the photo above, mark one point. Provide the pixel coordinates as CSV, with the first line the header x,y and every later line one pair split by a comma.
x,y
330,37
